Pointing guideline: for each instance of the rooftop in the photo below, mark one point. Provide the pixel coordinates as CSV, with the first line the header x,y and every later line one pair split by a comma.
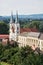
x,y
30,34
28,30
4,36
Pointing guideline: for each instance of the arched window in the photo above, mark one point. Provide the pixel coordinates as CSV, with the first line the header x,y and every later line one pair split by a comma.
x,y
13,29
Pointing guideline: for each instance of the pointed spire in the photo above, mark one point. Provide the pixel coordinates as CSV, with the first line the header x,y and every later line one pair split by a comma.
x,y
16,21
11,19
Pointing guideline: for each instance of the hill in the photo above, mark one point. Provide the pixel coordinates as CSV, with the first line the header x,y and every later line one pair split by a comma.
x,y
33,16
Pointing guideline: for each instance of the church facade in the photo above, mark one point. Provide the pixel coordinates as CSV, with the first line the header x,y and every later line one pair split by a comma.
x,y
14,28
25,38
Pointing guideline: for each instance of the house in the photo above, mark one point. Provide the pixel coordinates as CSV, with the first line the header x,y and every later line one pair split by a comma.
x,y
4,38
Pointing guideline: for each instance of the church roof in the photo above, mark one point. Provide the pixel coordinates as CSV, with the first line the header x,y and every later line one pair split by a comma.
x,y
28,30
30,34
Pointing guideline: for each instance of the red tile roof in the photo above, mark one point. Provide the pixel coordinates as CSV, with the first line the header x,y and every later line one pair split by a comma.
x,y
25,30
4,36
28,30
34,30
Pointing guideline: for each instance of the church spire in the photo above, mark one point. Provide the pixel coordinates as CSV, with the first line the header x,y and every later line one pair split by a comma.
x,y
11,19
16,21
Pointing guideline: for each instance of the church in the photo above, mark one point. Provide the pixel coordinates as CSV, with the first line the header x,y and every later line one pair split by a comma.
x,y
14,30
26,38
23,36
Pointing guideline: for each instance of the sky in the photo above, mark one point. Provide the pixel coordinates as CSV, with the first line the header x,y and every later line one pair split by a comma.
x,y
24,7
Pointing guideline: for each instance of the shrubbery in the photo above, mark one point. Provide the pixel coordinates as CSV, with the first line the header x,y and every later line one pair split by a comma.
x,y
20,56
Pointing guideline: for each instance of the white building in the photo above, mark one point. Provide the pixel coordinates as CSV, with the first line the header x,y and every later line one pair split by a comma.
x,y
26,38
14,28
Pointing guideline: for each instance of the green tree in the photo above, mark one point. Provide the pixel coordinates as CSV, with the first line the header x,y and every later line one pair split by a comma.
x,y
20,56
41,27
4,28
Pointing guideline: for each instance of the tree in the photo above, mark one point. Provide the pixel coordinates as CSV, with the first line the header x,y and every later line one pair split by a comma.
x,y
4,28
20,56
34,24
41,27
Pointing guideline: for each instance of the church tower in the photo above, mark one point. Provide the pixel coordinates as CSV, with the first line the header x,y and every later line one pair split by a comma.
x,y
14,30
17,25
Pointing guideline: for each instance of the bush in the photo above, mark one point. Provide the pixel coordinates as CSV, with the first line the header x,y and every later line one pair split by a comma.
x,y
20,56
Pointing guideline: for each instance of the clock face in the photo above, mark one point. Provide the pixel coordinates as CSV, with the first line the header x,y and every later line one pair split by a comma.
x,y
13,29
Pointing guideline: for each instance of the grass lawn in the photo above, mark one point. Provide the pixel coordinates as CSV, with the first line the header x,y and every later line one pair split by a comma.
x,y
3,63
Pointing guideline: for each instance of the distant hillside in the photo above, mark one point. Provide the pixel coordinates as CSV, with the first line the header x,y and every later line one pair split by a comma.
x,y
34,16
2,18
